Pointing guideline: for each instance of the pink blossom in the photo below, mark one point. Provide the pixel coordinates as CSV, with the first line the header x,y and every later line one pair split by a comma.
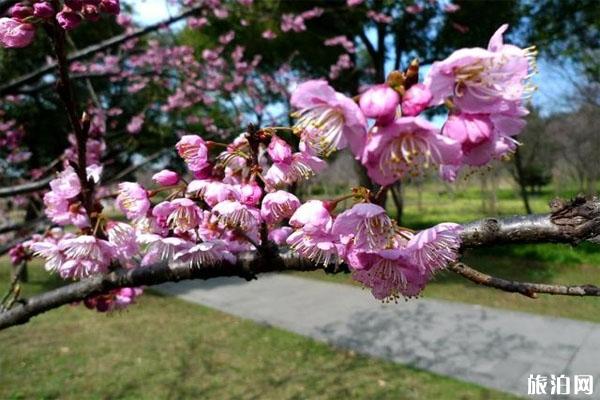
x,y
414,9
315,243
160,248
249,194
122,236
279,150
380,102
66,184
415,100
15,34
85,255
133,200
17,254
354,3
278,205
390,274
364,227
233,214
480,80
299,166
185,215
62,212
135,124
212,192
290,22
227,37
484,137
166,178
434,248
280,235
193,150
341,40
204,254
115,299
406,147
327,119
269,34
48,248
379,17
315,213
161,213
343,62
68,20
20,11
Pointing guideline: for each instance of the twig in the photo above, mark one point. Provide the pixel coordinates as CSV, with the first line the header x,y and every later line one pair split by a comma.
x,y
13,289
25,188
528,289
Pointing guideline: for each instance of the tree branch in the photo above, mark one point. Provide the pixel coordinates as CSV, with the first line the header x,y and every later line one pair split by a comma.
x,y
24,188
22,225
245,267
10,87
525,288
570,222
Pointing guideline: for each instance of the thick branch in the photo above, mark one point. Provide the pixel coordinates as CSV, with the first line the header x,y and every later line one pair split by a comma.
x,y
246,267
569,223
31,77
26,225
528,289
24,188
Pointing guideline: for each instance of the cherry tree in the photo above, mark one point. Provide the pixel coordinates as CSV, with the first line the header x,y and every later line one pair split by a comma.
x,y
231,210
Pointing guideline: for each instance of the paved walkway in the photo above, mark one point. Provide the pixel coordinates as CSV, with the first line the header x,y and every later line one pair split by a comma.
x,y
490,347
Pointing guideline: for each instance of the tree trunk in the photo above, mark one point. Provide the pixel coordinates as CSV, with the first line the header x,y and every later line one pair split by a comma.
x,y
396,191
521,182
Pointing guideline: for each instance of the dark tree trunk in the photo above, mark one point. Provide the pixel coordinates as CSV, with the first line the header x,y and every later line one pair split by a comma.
x,y
521,182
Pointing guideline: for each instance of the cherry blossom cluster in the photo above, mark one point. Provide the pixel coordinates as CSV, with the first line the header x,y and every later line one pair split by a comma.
x,y
18,30
235,198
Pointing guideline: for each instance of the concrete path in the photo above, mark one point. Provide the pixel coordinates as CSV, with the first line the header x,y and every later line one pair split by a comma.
x,y
490,347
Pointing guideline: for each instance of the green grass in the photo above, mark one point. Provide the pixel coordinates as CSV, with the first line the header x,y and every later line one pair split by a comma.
x,y
547,263
164,348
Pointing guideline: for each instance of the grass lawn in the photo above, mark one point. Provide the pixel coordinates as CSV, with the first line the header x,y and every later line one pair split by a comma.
x,y
548,263
164,348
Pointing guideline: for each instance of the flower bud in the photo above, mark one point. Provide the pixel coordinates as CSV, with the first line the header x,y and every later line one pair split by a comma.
x,y
415,100
166,178
68,20
43,10
20,11
380,102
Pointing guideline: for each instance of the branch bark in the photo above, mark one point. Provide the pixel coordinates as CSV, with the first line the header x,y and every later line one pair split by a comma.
x,y
24,188
570,222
